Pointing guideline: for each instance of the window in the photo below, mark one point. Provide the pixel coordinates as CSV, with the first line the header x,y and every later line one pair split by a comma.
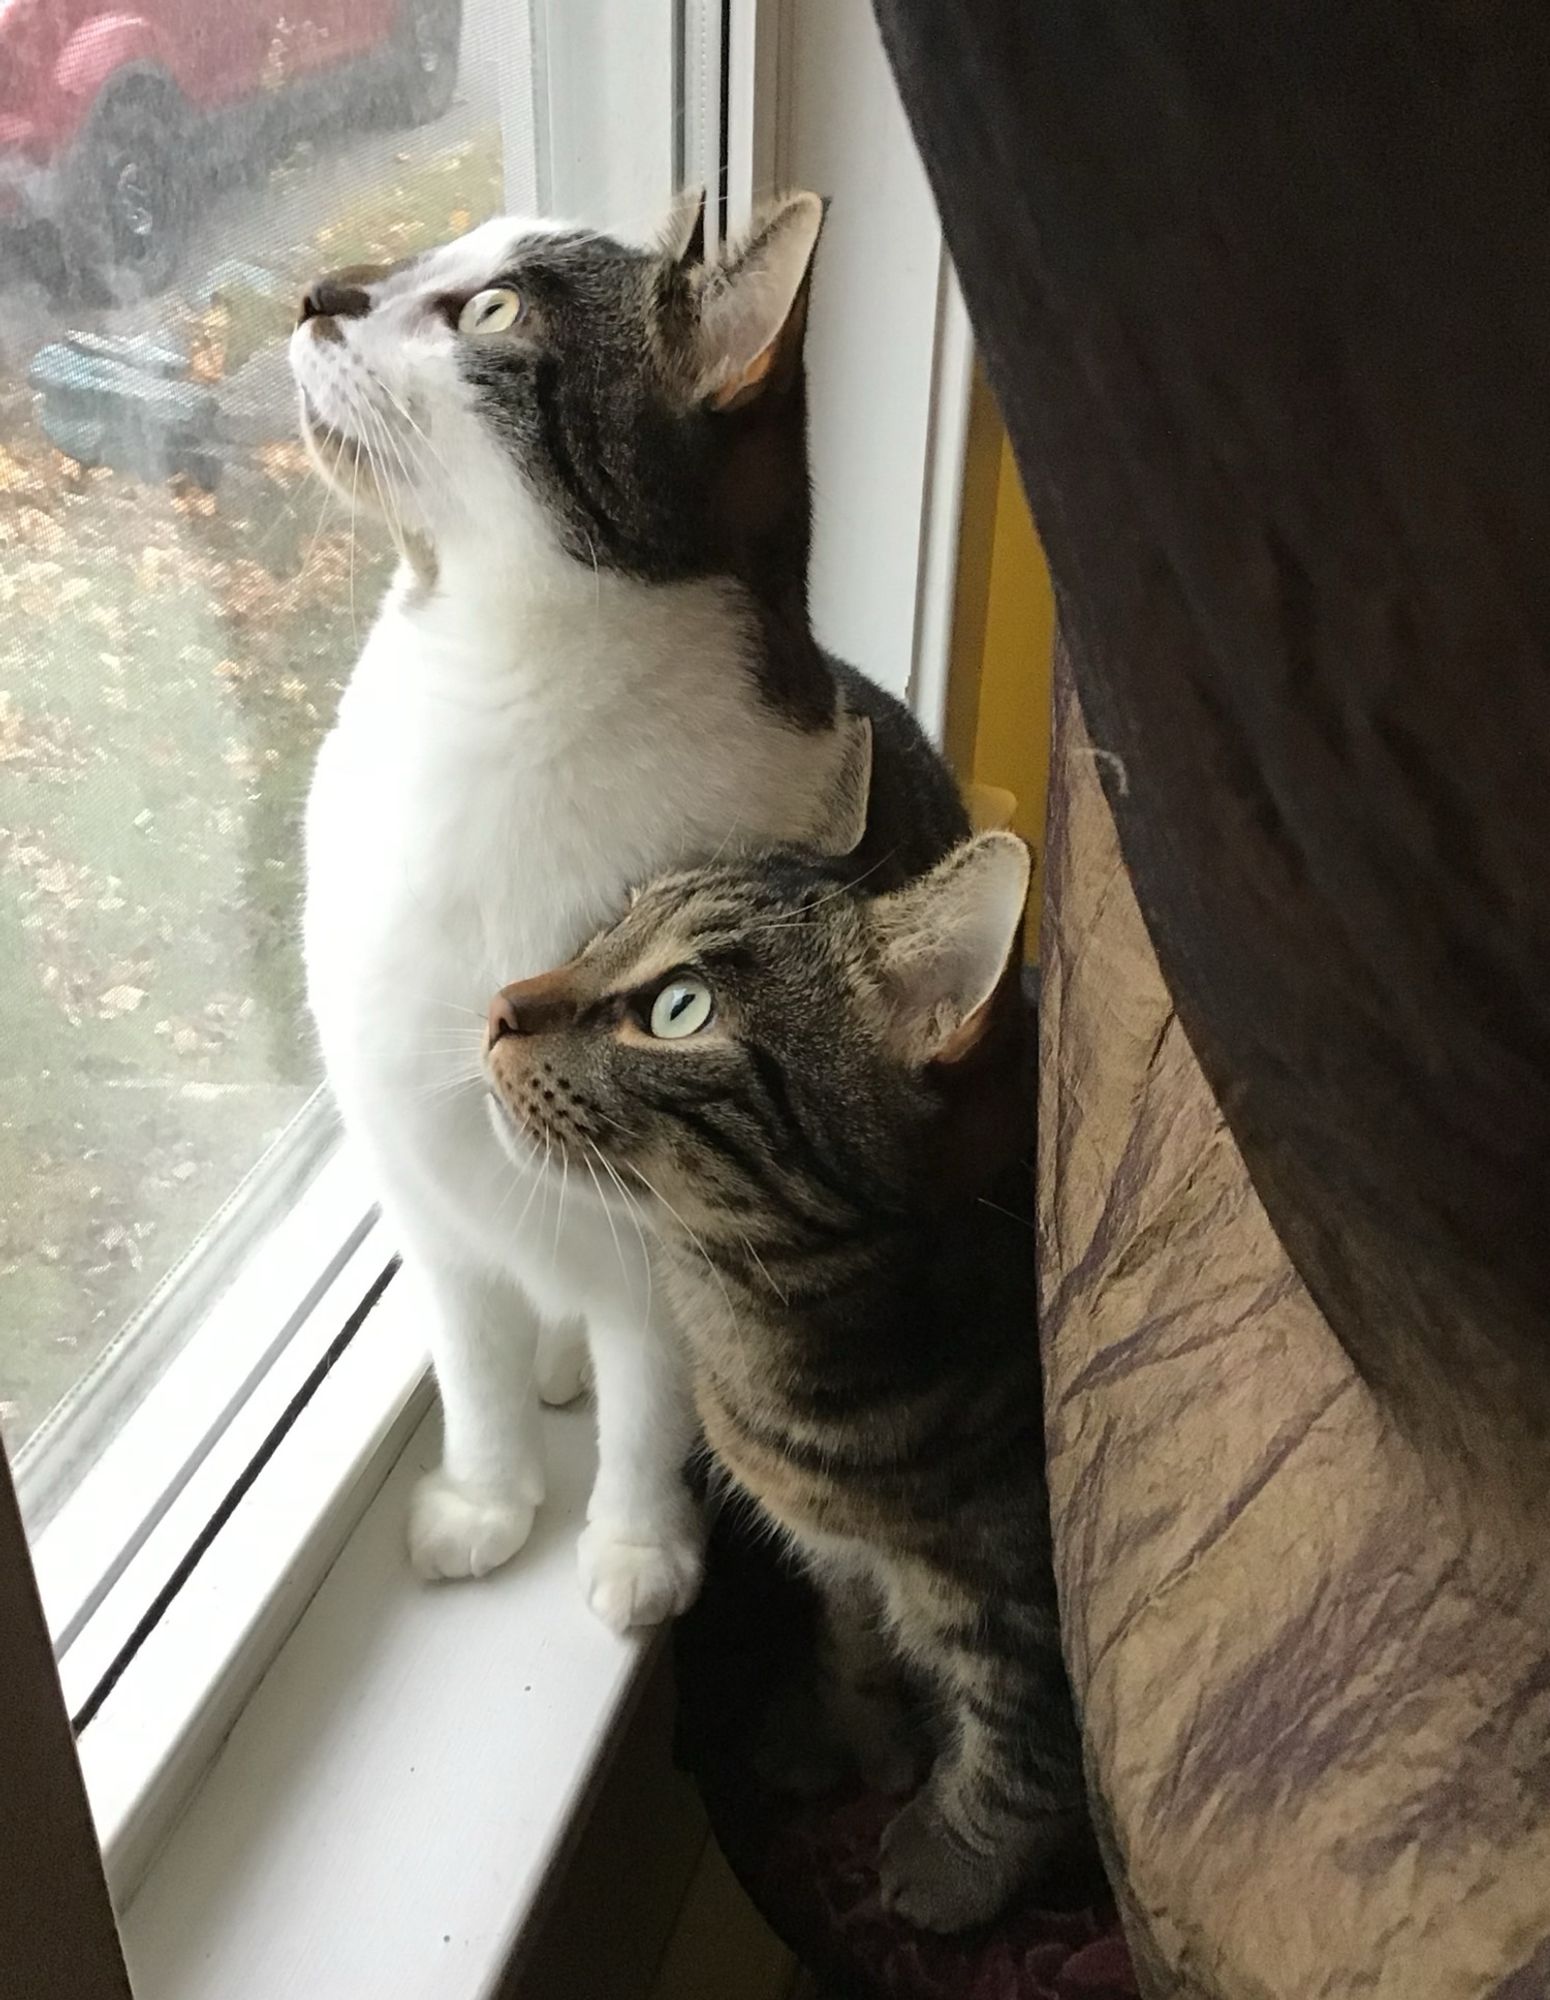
x,y
179,606
177,609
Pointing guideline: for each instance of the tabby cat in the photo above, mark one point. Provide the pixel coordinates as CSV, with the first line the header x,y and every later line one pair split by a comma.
x,y
822,1100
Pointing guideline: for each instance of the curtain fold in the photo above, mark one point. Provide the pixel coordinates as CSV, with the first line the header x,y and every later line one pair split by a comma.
x,y
1263,295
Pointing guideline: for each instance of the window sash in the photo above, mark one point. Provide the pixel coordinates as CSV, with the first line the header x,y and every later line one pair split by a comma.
x,y
100,1487
122,1498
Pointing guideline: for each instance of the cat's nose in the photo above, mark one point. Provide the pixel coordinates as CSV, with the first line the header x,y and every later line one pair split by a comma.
x,y
504,1019
330,298
543,1005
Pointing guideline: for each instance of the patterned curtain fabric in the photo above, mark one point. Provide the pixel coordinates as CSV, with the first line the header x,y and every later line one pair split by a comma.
x,y
1315,1696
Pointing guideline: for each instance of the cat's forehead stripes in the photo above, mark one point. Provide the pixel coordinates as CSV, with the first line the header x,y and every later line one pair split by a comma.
x,y
709,914
670,925
649,942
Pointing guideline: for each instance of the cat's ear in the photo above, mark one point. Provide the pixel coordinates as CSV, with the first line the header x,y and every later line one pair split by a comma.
x,y
753,308
841,821
683,234
947,941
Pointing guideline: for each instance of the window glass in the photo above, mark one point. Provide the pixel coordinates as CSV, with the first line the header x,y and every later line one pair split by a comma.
x,y
178,606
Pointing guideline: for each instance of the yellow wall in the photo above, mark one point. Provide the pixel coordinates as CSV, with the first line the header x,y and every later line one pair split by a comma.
x,y
998,715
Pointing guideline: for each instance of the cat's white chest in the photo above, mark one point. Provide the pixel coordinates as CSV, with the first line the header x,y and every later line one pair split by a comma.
x,y
446,856
468,828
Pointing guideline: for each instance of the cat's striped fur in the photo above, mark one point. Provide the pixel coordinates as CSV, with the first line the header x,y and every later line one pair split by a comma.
x,y
836,1160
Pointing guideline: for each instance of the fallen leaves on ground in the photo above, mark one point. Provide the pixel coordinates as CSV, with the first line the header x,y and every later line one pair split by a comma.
x,y
169,658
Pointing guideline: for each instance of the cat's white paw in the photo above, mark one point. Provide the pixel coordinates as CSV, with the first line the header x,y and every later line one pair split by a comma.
x,y
564,1370
454,1534
640,1576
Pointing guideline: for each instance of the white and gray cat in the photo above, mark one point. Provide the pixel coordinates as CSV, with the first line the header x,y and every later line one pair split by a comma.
x,y
595,663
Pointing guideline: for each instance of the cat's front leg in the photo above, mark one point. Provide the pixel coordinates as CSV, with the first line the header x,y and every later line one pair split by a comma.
x,y
476,1509
642,1550
865,1691
1003,1798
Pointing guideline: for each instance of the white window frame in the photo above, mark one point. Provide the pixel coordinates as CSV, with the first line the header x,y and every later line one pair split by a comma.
x,y
890,353
276,1446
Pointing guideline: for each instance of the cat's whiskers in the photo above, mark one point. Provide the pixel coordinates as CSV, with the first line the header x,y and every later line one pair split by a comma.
x,y
417,431
444,1087
470,1022
608,1119
710,1266
361,415
540,1174
725,841
804,911
633,1210
443,1059
447,1069
544,1176
559,1207
330,496
398,445
285,510
637,1216
355,475
390,492
422,454
521,1171
747,1242
1022,1221
440,1044
386,494
608,1216
365,422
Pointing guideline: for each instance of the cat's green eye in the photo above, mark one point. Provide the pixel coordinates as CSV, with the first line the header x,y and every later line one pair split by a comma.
x,y
683,1007
490,312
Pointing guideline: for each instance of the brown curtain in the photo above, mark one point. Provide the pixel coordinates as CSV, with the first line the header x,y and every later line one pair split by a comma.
x,y
1264,292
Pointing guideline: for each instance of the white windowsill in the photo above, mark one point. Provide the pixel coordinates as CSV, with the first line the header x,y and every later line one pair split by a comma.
x,y
384,1814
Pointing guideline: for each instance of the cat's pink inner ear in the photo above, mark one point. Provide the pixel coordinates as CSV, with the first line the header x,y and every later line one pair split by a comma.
x,y
743,388
753,310
968,1034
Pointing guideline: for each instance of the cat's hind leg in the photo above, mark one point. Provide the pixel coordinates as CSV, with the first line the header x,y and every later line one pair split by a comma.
x,y
564,1364
852,1711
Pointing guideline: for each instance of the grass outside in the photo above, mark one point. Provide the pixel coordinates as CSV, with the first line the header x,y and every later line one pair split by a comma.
x,y
169,659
